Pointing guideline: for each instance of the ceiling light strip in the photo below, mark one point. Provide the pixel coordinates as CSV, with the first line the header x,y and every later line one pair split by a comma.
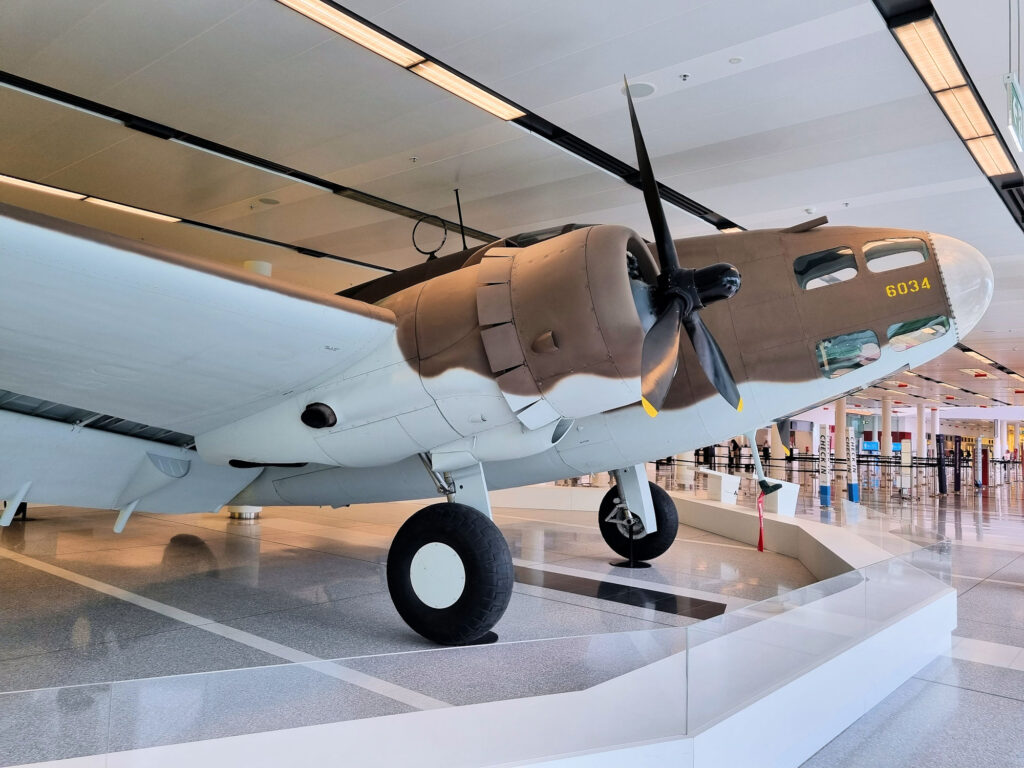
x,y
63,98
466,91
132,210
356,30
66,193
929,50
36,187
476,94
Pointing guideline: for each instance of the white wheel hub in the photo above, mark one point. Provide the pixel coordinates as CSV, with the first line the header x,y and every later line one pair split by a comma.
x,y
437,574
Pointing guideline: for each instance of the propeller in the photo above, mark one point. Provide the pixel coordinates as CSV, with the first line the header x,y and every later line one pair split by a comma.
x,y
679,295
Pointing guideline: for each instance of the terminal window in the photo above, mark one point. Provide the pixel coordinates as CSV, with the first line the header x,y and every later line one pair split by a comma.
x,y
903,336
816,270
847,352
894,253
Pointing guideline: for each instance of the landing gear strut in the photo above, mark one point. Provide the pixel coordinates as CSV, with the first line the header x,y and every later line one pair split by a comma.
x,y
450,574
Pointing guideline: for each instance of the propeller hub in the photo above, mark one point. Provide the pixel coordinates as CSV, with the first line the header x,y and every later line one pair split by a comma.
x,y
680,284
717,282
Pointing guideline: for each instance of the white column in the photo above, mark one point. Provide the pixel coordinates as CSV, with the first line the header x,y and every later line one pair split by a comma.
x,y
246,512
935,431
839,444
885,438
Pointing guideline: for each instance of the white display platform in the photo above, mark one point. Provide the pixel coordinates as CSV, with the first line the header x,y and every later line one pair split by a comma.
x,y
722,692
783,501
721,487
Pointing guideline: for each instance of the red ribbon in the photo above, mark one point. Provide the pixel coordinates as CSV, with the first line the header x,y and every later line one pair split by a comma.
x,y
760,522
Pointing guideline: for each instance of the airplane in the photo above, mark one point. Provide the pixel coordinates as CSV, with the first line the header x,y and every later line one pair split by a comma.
x,y
135,378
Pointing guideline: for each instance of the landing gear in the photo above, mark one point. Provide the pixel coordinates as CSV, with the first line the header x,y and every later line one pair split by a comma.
x,y
450,574
624,530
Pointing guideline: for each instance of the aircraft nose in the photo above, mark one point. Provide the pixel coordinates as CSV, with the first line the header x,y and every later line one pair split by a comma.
x,y
968,279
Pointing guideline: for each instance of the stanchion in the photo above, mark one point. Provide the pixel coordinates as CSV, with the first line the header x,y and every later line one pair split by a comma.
x,y
852,470
824,479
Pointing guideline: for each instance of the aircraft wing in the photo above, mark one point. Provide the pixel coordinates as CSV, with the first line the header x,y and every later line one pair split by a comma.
x,y
102,323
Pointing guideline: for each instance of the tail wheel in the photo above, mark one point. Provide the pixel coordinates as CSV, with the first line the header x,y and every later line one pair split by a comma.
x,y
450,573
619,527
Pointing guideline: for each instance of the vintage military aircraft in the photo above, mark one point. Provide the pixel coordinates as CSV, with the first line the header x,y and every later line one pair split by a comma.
x,y
135,378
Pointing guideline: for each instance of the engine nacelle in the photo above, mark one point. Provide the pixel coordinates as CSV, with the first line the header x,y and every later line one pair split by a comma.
x,y
501,351
556,325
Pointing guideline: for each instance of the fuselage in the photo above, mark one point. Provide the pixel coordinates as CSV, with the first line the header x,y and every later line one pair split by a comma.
x,y
821,313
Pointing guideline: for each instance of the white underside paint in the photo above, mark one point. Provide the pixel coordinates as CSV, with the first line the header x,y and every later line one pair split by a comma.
x,y
437,575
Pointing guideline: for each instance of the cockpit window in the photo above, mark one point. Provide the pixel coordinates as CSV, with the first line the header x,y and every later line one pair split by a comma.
x,y
894,253
903,336
842,354
816,270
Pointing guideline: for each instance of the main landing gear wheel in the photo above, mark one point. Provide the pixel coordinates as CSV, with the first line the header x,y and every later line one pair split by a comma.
x,y
625,533
450,573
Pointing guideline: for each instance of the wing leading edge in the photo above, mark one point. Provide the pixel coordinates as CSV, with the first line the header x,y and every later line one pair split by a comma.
x,y
100,322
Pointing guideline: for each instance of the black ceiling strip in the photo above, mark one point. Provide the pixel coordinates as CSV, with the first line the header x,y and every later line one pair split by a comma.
x,y
1009,186
559,136
297,248
162,131
577,146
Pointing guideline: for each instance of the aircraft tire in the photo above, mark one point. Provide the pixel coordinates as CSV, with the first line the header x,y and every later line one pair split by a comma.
x,y
450,573
647,546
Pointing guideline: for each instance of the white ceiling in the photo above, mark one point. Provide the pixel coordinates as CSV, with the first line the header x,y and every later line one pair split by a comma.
x,y
823,112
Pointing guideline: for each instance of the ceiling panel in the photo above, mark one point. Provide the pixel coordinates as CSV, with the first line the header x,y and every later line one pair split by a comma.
x,y
823,112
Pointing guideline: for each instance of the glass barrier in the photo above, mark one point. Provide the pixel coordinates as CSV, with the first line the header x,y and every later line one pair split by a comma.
x,y
727,663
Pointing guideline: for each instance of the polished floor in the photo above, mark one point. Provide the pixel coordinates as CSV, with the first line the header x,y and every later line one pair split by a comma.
x,y
82,606
966,708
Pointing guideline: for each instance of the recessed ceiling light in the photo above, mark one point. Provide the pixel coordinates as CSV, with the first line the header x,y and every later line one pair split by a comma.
x,y
40,187
131,209
736,60
638,90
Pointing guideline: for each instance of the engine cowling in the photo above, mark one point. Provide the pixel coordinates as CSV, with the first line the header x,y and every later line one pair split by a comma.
x,y
557,325
489,362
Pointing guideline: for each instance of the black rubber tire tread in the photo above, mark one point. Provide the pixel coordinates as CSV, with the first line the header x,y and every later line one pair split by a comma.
x,y
489,573
653,544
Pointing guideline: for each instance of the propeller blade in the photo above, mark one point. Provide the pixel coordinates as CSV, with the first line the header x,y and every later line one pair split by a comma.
x,y
662,237
782,427
712,360
660,358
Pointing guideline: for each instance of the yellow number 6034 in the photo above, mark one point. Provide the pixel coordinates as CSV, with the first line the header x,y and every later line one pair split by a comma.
x,y
908,286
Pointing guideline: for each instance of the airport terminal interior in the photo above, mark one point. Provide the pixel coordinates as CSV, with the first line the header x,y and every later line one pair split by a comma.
x,y
459,384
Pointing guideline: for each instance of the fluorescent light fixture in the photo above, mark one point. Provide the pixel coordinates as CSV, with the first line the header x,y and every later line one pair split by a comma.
x,y
475,95
366,36
948,386
977,356
40,187
131,209
990,155
964,112
728,230
930,54
1017,376
909,373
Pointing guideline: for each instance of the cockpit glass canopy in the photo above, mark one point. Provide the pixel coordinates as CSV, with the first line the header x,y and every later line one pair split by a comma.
x,y
894,253
816,270
903,336
847,352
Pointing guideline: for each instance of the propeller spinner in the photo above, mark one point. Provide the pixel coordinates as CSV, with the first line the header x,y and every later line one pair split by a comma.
x,y
679,296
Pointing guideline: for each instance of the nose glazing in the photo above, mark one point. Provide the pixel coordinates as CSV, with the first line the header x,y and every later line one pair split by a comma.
x,y
968,280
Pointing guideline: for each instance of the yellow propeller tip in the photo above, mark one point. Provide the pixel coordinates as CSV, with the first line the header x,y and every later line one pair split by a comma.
x,y
739,408
651,410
